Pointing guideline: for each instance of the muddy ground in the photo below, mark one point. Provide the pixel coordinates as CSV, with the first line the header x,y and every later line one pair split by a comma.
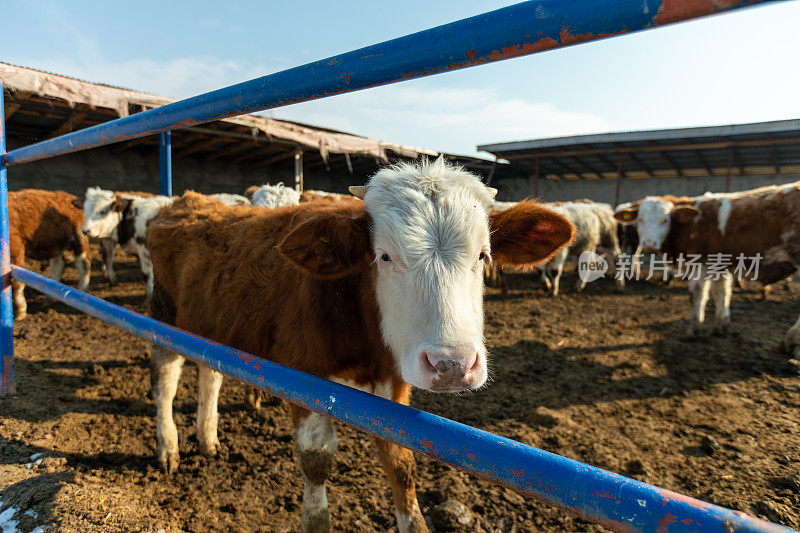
x,y
600,377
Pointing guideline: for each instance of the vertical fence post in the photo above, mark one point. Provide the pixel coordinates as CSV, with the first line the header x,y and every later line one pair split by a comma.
x,y
619,179
298,170
536,178
730,168
7,383
165,162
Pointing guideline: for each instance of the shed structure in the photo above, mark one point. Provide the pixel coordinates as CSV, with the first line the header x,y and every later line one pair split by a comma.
x,y
625,166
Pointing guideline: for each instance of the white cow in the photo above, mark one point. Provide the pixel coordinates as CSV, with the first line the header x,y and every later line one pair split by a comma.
x,y
275,196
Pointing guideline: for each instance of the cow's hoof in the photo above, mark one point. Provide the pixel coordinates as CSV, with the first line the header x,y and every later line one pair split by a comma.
x,y
169,461
113,283
209,449
720,331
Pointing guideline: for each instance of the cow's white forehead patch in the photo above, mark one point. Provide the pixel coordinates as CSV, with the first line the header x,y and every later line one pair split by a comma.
x,y
653,208
429,211
96,199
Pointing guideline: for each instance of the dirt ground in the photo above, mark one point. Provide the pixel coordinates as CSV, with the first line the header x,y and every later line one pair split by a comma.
x,y
600,377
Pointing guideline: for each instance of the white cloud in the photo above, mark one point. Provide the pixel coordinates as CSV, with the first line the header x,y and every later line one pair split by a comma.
x,y
442,118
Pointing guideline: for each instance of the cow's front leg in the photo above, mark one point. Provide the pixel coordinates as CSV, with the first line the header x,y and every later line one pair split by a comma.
x,y
698,296
107,248
400,468
721,292
146,266
18,296
316,445
399,465
208,385
167,369
790,343
55,268
84,268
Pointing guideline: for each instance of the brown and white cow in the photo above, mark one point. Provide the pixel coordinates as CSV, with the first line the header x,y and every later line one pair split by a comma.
x,y
42,225
122,218
763,221
108,246
382,296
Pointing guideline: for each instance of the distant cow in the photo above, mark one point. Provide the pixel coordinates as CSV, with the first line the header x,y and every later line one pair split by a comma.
x,y
123,217
272,195
596,229
231,199
380,296
763,221
324,196
42,226
108,246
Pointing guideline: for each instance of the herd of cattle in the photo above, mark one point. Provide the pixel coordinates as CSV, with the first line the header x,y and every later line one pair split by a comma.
x,y
386,284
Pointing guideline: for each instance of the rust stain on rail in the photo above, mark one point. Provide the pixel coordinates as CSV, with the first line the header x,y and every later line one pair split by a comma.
x,y
677,10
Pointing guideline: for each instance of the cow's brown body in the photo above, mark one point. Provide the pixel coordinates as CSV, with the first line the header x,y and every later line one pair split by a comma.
x,y
760,226
762,221
220,275
226,277
43,225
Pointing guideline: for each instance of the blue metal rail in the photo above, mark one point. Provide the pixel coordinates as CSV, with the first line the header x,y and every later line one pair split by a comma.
x,y
620,503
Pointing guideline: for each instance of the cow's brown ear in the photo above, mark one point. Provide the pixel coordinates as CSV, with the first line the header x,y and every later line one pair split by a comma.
x,y
684,213
78,202
528,234
120,204
330,245
627,215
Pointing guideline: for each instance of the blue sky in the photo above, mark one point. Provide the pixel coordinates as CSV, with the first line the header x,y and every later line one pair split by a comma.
x,y
738,67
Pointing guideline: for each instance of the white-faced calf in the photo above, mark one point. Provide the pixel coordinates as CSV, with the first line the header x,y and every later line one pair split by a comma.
x,y
381,296
123,218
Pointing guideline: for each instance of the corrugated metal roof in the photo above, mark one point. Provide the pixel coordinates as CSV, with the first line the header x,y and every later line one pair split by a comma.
x,y
758,148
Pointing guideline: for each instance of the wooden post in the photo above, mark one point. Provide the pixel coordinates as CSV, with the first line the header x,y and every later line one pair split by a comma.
x,y
730,167
165,162
536,178
298,170
619,179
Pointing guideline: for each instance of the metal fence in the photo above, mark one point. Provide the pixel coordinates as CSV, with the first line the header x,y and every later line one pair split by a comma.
x,y
615,501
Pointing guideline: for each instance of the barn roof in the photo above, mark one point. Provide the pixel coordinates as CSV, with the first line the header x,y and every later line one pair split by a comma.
x,y
739,149
40,105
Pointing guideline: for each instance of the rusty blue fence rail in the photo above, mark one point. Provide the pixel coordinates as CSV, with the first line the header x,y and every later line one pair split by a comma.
x,y
620,503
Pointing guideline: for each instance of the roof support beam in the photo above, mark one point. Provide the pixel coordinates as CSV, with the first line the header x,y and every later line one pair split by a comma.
x,y
670,161
11,109
703,162
587,167
236,148
569,170
197,147
774,154
68,125
275,159
635,159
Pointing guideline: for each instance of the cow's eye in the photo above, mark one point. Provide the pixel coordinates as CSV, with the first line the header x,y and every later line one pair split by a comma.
x,y
482,256
385,258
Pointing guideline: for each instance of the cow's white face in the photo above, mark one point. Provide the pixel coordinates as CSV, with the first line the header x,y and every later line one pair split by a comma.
x,y
653,223
101,216
431,239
